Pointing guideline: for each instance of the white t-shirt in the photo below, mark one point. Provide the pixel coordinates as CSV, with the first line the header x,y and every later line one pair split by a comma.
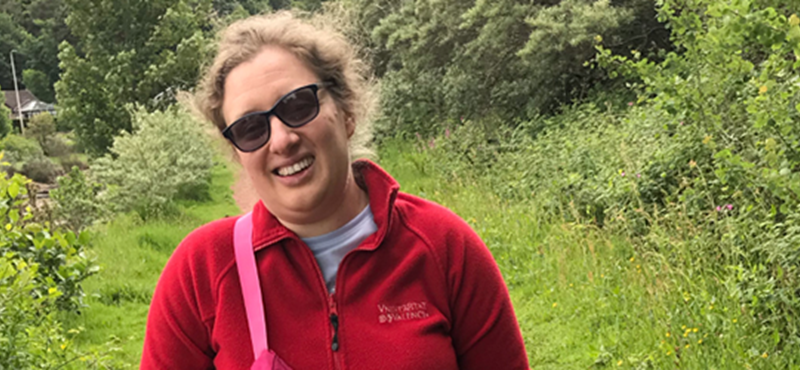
x,y
330,248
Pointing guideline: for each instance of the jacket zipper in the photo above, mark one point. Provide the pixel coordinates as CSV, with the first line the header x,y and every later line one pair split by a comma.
x,y
334,319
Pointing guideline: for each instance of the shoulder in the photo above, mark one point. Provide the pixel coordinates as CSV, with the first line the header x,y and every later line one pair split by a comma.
x,y
448,236
208,244
432,219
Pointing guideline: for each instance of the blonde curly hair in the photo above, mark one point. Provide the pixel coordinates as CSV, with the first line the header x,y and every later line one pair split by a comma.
x,y
314,40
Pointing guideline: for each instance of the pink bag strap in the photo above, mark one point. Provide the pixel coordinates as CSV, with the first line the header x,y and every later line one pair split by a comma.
x,y
251,288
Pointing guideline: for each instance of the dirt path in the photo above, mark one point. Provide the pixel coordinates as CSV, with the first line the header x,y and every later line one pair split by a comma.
x,y
243,192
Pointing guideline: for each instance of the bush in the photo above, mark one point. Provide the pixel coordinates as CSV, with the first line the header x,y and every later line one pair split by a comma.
x,y
59,255
19,149
55,146
145,171
69,161
41,127
76,200
41,169
40,272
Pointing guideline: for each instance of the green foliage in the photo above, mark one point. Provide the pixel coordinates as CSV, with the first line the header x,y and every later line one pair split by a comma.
x,y
5,120
28,334
733,101
700,172
615,301
142,52
41,128
59,256
19,149
40,169
146,171
444,61
12,37
39,84
40,271
76,200
133,253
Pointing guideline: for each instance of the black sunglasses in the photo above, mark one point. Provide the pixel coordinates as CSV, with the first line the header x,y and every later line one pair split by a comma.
x,y
295,109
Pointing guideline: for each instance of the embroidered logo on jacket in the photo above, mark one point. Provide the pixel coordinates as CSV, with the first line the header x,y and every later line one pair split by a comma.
x,y
388,314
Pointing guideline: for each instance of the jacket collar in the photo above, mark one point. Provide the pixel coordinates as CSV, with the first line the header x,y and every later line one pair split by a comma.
x,y
382,191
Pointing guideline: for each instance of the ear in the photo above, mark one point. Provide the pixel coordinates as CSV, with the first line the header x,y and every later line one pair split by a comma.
x,y
350,125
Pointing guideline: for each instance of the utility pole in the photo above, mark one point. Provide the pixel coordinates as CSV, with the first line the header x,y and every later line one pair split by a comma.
x,y
16,90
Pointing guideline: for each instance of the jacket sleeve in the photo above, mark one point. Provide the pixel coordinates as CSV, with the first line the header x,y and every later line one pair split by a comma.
x,y
176,336
486,334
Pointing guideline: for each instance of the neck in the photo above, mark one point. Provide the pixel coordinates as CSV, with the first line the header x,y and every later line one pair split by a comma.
x,y
352,203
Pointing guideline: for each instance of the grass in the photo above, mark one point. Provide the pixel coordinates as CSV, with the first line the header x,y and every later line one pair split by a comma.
x,y
586,298
131,254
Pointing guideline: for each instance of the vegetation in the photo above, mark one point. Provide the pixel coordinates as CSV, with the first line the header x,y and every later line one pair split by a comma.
x,y
169,157
40,273
5,120
131,253
500,61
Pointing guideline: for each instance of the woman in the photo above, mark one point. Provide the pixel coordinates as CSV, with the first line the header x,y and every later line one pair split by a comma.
x,y
353,274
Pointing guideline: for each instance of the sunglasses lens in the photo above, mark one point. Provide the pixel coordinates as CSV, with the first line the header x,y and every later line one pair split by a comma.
x,y
250,132
298,108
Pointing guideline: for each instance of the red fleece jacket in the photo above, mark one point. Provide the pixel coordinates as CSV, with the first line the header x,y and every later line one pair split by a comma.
x,y
423,292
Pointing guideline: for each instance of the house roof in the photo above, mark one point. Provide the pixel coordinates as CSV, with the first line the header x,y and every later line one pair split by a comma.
x,y
25,97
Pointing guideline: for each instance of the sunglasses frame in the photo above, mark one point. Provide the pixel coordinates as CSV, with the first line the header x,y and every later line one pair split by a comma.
x,y
315,87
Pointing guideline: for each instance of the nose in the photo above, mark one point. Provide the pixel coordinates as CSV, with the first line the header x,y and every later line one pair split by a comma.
x,y
283,139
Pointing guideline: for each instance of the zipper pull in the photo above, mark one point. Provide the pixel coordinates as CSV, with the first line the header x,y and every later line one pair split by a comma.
x,y
335,323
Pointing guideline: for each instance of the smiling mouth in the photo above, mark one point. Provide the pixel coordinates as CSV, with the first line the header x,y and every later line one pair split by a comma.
x,y
294,168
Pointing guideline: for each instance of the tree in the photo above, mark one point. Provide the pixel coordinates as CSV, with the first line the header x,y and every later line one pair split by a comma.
x,y
131,52
507,60
39,84
12,37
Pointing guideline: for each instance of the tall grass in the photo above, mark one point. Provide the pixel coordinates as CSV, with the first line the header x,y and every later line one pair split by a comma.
x,y
588,297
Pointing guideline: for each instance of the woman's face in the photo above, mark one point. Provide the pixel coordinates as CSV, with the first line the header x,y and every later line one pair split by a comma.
x,y
300,173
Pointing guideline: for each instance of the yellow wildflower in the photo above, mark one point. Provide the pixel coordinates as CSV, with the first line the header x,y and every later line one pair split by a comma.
x,y
763,89
700,341
598,39
667,334
619,363
707,139
734,321
688,345
555,304
694,330
765,355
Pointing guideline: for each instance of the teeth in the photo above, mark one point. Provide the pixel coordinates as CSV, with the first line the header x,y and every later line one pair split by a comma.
x,y
295,168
